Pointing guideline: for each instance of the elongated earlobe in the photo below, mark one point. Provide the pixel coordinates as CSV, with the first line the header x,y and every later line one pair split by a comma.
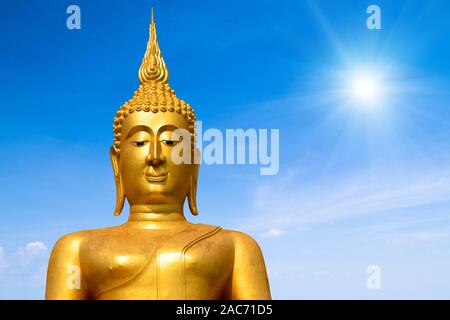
x,y
192,194
120,194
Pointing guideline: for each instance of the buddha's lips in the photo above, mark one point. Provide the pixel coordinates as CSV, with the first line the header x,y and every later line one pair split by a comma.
x,y
156,178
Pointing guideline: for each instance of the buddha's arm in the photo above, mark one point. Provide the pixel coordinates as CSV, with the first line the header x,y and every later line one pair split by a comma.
x,y
64,277
249,280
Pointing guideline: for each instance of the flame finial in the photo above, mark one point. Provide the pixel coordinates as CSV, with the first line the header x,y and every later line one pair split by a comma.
x,y
154,94
153,67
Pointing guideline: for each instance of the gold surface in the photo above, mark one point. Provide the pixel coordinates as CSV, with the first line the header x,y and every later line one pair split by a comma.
x,y
157,253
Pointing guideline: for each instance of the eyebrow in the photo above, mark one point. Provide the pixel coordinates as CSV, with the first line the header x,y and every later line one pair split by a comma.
x,y
137,129
142,127
167,127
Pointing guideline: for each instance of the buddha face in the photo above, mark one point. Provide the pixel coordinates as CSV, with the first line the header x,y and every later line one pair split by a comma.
x,y
144,163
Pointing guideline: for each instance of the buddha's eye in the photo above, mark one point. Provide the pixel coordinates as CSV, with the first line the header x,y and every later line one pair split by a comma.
x,y
139,143
169,142
170,139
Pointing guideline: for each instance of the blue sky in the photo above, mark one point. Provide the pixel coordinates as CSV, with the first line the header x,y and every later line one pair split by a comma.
x,y
357,186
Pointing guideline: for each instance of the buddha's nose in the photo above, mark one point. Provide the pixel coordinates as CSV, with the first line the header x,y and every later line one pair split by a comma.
x,y
154,162
155,157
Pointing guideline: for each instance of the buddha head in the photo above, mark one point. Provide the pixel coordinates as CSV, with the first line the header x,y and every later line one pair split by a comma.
x,y
145,134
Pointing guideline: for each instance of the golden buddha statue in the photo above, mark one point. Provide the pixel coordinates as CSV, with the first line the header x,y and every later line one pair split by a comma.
x,y
157,253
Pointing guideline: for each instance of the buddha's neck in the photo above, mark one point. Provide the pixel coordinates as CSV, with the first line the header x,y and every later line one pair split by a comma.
x,y
155,216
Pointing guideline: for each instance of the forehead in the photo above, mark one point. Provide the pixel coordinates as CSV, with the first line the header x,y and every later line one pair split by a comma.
x,y
153,120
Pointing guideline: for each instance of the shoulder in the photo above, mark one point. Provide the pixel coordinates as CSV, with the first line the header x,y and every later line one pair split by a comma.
x,y
237,239
72,242
65,251
69,243
242,241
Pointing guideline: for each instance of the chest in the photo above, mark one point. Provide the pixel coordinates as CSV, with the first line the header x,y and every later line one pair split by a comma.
x,y
189,265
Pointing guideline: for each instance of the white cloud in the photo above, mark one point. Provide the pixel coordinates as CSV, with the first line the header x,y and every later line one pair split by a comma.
x,y
274,233
30,252
23,256
3,261
284,204
417,236
23,271
34,247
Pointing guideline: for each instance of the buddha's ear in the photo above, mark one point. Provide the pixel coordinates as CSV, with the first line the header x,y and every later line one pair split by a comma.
x,y
120,194
192,194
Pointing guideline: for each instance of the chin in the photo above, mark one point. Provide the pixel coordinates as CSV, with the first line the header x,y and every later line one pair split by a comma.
x,y
157,196
158,189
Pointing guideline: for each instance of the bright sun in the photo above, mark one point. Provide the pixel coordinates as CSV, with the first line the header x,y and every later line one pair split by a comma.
x,y
365,88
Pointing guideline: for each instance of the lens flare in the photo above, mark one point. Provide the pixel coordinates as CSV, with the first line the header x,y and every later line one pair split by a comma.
x,y
365,89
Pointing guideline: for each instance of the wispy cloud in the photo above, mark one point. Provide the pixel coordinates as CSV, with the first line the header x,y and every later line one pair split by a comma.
x,y
30,252
284,205
36,246
413,237
23,256
22,271
3,261
274,233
